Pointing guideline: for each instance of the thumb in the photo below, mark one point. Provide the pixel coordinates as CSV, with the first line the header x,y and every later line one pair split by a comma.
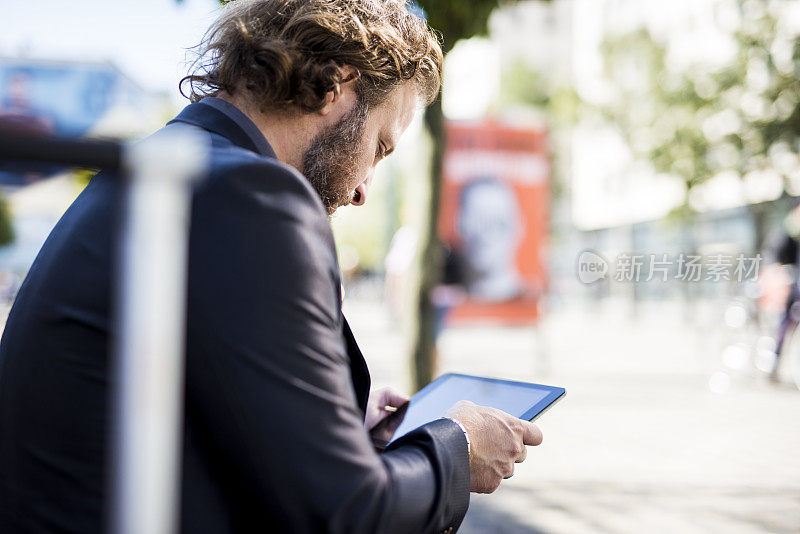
x,y
390,397
531,435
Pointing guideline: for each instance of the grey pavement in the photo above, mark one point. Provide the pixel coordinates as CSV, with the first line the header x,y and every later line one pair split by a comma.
x,y
640,443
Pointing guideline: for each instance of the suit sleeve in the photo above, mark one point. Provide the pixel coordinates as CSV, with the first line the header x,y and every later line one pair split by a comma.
x,y
268,383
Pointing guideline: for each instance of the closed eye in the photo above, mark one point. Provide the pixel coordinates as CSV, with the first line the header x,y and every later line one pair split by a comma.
x,y
382,151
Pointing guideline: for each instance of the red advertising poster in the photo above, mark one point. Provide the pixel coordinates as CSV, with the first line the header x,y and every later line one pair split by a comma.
x,y
493,219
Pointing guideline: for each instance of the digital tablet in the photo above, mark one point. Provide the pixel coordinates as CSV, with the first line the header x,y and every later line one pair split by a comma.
x,y
521,399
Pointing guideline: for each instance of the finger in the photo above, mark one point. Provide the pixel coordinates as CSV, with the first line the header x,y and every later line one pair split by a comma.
x,y
511,474
389,397
531,434
522,456
377,418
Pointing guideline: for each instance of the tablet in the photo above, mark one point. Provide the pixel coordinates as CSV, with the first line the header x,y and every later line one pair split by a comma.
x,y
521,399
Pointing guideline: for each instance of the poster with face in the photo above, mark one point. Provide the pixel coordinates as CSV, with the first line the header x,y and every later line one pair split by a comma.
x,y
494,218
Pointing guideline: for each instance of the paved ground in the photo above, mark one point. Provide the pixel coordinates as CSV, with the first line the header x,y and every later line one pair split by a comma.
x,y
640,444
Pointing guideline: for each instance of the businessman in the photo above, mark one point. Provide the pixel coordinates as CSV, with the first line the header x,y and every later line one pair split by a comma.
x,y
300,100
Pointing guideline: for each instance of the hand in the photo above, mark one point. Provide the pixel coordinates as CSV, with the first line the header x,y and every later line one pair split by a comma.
x,y
376,405
497,441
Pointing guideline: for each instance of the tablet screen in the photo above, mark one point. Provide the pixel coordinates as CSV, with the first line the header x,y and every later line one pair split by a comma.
x,y
520,399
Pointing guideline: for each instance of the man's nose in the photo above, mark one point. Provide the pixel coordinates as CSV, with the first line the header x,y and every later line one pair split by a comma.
x,y
360,194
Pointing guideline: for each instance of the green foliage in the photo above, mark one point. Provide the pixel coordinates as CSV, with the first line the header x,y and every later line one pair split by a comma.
x,y
521,84
697,122
658,112
559,104
457,19
6,224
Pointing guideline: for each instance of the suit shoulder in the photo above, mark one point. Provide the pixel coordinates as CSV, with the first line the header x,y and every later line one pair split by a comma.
x,y
268,209
265,176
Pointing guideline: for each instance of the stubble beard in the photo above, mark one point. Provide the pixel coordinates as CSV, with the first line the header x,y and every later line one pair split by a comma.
x,y
330,159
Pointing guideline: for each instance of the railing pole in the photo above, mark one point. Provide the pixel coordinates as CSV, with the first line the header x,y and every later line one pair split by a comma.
x,y
149,352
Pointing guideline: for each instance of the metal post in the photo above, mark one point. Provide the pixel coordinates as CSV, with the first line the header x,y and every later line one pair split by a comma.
x,y
149,355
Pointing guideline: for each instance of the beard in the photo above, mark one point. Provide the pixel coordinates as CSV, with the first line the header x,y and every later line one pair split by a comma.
x,y
329,161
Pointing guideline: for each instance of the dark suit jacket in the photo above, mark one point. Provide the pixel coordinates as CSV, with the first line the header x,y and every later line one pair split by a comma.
x,y
275,384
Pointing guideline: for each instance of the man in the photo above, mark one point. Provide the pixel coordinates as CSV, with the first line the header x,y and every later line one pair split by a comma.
x,y
300,101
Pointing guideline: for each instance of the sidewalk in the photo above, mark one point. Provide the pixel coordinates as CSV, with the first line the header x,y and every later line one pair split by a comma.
x,y
639,444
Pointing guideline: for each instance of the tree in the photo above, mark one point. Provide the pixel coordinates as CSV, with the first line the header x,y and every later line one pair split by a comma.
x,y
455,20
697,122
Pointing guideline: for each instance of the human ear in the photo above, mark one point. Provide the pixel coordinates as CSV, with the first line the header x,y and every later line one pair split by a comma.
x,y
349,76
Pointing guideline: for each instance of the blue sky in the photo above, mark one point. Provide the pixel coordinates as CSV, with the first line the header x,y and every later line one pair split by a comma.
x,y
147,39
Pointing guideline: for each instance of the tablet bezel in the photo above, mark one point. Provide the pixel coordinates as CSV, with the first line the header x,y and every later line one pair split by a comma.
x,y
554,394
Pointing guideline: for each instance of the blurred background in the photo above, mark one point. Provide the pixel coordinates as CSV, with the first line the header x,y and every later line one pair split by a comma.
x,y
603,199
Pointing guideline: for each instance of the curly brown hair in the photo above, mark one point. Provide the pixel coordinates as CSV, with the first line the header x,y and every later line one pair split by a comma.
x,y
287,54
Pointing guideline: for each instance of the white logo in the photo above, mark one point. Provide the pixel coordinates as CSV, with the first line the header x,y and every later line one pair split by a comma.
x,y
591,267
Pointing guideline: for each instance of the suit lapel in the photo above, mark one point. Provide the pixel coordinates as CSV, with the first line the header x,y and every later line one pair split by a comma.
x,y
359,372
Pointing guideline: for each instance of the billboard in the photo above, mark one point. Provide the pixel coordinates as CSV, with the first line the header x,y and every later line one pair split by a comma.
x,y
70,99
493,219
67,99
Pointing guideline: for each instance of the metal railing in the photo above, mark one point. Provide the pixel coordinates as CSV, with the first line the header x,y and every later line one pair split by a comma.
x,y
149,356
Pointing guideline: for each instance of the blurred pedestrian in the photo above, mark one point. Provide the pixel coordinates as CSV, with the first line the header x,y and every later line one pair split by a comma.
x,y
774,283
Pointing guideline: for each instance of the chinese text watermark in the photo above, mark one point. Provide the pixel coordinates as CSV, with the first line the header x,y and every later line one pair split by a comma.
x,y
592,266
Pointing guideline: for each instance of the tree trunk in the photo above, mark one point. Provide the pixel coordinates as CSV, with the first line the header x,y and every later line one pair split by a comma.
x,y
758,214
429,257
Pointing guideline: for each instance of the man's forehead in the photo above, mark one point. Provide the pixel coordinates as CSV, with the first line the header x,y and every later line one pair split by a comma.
x,y
408,106
398,110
